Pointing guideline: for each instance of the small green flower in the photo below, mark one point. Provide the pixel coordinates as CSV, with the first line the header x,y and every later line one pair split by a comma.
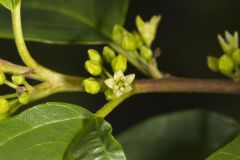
x,y
138,40
91,85
94,55
148,29
93,67
146,53
128,42
2,78
18,79
226,65
236,57
4,116
24,98
119,84
108,54
117,33
212,63
4,106
119,63
109,94
230,43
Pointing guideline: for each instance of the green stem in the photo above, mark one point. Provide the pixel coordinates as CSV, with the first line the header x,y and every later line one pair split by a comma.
x,y
111,105
10,84
10,68
9,96
45,73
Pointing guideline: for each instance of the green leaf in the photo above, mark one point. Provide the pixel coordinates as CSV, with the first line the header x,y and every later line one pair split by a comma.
x,y
189,135
9,4
64,22
53,131
229,152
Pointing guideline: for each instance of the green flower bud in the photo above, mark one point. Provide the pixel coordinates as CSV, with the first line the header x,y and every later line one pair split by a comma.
x,y
230,43
108,54
18,79
24,98
4,116
94,55
236,57
146,53
226,65
128,42
138,40
223,44
109,94
2,78
212,63
119,63
93,67
117,34
4,106
91,85
148,29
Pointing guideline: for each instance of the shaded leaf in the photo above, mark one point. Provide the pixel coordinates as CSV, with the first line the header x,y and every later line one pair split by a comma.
x,y
184,135
71,21
49,131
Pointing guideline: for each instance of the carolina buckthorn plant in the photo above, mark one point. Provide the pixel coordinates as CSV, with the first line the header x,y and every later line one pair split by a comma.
x,y
63,131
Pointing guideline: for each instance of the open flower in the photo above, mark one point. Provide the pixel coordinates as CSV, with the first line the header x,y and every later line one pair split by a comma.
x,y
119,84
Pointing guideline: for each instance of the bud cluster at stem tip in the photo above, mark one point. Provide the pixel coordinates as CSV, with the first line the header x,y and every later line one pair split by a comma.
x,y
116,84
228,63
20,97
138,41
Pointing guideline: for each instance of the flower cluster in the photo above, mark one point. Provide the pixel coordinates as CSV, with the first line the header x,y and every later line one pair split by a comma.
x,y
138,41
21,96
114,85
228,63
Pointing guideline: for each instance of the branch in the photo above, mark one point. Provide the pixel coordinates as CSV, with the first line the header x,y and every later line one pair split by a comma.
x,y
174,85
10,68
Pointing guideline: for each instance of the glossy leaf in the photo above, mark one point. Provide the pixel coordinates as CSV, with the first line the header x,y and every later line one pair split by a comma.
x,y
229,152
189,135
71,21
52,131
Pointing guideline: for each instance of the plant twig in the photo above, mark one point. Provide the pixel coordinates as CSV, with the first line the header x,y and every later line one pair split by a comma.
x,y
11,68
173,84
46,74
111,105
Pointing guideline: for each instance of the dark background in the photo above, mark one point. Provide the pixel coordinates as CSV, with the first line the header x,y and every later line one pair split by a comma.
x,y
186,36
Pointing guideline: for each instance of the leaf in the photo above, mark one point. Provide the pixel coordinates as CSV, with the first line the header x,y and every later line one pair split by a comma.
x,y
230,151
9,4
188,135
52,131
67,21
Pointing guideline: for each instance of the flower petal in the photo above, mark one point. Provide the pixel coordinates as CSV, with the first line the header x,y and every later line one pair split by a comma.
x,y
130,78
109,82
118,74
